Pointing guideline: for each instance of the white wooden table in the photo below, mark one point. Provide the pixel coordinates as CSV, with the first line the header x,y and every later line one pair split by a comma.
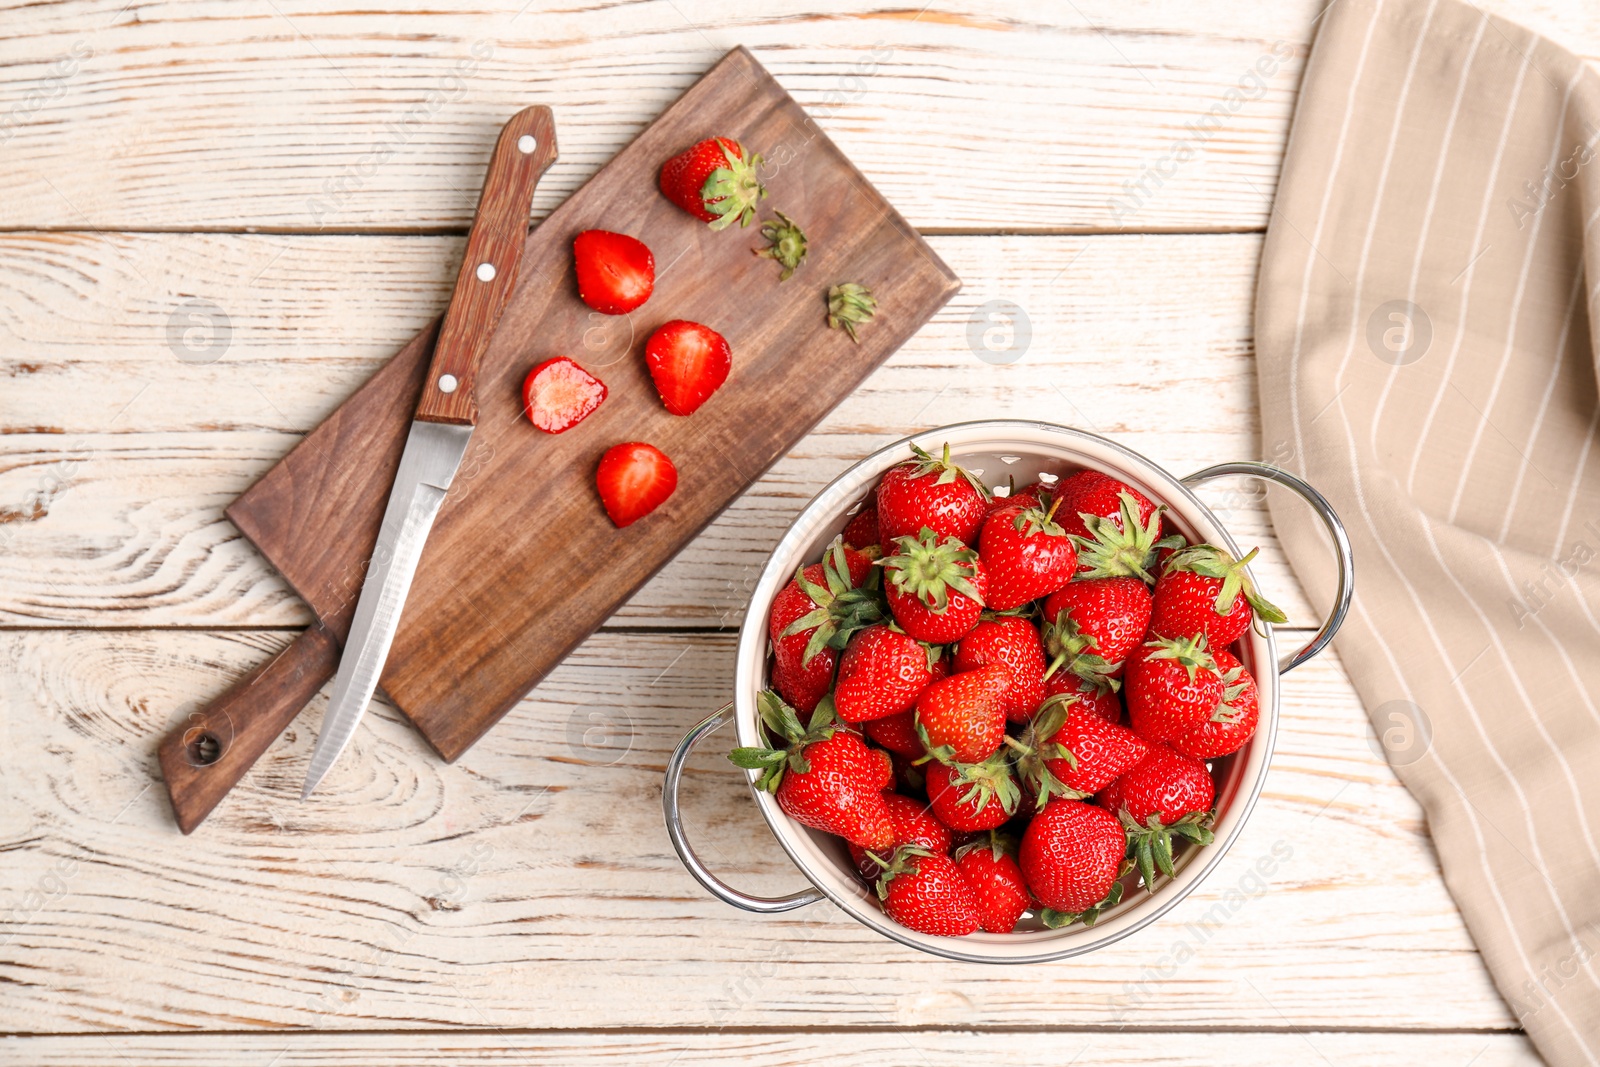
x,y
219,216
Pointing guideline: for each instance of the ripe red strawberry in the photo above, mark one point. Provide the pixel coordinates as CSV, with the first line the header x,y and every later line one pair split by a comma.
x,y
688,362
934,493
823,605
1165,794
1123,539
633,480
616,273
1092,492
1091,624
1068,750
716,181
1233,722
558,394
862,529
960,717
1013,643
898,734
926,892
803,685
997,883
914,824
1026,555
822,776
881,673
1204,590
1071,855
1171,686
967,796
813,616
935,586
1099,698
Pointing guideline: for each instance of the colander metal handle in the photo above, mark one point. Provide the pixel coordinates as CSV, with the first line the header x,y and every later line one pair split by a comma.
x,y
669,803
1341,546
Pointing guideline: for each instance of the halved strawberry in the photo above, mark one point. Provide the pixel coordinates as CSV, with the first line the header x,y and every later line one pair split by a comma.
x,y
688,362
616,273
558,394
634,479
716,181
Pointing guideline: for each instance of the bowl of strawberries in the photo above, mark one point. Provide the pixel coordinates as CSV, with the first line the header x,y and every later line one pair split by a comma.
x,y
1006,691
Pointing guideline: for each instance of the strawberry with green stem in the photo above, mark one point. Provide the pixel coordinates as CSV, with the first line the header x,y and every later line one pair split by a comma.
x,y
822,776
1124,545
973,796
1233,722
935,586
814,616
933,492
1172,686
990,868
1069,751
1026,553
1092,624
925,891
914,824
1204,590
1167,795
716,181
961,718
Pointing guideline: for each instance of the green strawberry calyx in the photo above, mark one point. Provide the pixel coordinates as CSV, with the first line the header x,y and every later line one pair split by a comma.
x,y
783,723
1036,747
1150,846
786,243
1122,547
927,463
850,304
1029,521
996,843
732,191
928,567
1068,646
1190,653
988,782
1209,561
1233,684
841,609
1055,920
903,861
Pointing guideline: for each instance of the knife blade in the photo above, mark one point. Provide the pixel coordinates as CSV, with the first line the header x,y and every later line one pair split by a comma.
x,y
442,428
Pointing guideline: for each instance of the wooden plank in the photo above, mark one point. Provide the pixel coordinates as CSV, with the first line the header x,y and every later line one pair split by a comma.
x,y
923,1048
119,456
312,117
532,882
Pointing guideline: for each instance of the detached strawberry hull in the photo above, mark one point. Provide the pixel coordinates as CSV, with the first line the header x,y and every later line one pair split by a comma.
x,y
1029,450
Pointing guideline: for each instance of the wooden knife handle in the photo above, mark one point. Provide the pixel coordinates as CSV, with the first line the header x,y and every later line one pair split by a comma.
x,y
207,755
527,146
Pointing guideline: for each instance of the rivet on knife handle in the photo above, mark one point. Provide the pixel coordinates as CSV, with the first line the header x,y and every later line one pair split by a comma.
x,y
526,148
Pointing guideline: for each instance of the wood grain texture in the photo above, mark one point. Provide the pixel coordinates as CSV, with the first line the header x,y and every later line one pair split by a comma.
x,y
120,455
511,578
916,1048
531,884
497,239
205,756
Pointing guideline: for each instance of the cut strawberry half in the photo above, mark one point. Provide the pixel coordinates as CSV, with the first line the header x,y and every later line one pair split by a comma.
x,y
558,394
688,362
616,273
634,479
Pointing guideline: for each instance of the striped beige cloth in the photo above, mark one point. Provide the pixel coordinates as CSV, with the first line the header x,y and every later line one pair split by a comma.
x,y
1424,327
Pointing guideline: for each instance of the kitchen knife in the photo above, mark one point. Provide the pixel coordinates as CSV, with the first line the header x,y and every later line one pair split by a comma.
x,y
442,426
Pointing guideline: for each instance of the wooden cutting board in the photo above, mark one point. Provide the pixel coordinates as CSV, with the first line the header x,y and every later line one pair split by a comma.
x,y
522,563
